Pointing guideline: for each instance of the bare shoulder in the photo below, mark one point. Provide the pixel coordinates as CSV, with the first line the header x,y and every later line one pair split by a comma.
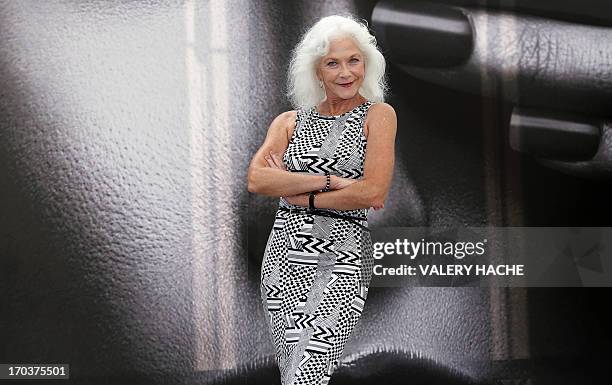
x,y
288,119
382,110
284,122
285,118
380,114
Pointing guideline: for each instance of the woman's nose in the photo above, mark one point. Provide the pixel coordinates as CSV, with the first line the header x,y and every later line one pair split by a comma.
x,y
344,71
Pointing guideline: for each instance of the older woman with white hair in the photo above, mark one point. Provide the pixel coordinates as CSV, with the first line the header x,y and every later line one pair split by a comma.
x,y
328,161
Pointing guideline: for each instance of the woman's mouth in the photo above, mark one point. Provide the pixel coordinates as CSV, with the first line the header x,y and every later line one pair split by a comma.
x,y
347,85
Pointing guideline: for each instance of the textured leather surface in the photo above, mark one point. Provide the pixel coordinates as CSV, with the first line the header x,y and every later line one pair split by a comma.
x,y
534,61
531,61
129,242
592,12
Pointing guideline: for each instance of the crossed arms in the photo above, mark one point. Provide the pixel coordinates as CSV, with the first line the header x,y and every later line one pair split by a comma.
x,y
268,176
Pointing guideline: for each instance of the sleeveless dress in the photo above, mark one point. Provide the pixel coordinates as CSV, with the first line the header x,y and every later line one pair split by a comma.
x,y
316,270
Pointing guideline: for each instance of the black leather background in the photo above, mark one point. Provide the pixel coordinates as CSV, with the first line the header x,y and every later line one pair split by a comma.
x,y
130,247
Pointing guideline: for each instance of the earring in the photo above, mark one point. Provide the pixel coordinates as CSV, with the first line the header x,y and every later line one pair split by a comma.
x,y
321,83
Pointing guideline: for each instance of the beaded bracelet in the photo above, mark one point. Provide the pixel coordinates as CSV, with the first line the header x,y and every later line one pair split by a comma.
x,y
327,181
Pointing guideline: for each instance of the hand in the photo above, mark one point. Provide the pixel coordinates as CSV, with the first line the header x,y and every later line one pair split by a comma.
x,y
379,207
274,161
298,200
338,182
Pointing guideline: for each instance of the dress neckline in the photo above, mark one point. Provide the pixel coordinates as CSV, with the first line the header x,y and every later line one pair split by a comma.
x,y
344,113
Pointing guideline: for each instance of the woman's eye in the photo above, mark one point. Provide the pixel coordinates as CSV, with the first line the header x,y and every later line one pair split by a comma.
x,y
334,63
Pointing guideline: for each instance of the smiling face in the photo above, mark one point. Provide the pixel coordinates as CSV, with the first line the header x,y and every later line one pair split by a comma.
x,y
342,70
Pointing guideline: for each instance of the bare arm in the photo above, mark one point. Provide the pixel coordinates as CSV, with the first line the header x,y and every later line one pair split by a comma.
x,y
373,188
277,182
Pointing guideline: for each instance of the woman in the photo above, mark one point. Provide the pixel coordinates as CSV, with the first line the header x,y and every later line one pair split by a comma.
x,y
318,260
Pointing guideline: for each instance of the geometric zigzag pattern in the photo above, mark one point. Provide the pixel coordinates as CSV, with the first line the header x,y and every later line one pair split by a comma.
x,y
333,144
317,270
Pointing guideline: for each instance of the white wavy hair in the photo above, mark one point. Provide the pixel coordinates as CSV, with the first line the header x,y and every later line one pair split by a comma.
x,y
303,85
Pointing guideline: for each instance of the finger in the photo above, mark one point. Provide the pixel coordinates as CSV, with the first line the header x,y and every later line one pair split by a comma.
x,y
271,156
278,161
270,162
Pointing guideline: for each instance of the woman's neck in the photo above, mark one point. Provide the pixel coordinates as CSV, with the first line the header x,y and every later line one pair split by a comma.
x,y
340,106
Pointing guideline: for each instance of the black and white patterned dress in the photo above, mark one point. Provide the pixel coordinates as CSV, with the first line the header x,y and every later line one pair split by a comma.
x,y
316,270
